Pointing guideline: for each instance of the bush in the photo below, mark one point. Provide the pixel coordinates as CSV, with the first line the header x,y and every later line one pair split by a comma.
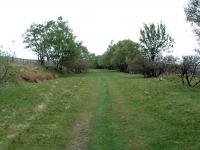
x,y
80,66
190,72
6,72
147,67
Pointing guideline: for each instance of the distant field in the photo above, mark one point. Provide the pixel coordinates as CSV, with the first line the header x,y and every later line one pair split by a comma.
x,y
100,110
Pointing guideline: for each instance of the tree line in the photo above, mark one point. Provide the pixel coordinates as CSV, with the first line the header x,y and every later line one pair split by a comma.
x,y
54,41
145,57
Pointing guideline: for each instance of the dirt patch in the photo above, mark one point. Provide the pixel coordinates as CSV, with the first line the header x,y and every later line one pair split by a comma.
x,y
81,132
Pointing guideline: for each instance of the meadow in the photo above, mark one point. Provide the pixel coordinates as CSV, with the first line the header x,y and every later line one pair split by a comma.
x,y
100,110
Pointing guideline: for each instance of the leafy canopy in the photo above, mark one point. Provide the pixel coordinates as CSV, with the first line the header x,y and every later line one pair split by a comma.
x,y
154,40
53,40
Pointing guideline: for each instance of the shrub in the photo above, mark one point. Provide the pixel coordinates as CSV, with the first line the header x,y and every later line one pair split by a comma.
x,y
190,72
6,72
145,66
80,66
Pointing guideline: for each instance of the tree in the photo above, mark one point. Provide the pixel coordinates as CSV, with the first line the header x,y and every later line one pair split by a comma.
x,y
155,40
125,51
62,42
87,57
190,73
92,60
192,12
82,63
136,64
53,40
118,55
104,61
34,37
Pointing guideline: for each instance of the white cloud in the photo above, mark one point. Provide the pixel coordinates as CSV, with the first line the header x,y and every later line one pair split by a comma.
x,y
96,22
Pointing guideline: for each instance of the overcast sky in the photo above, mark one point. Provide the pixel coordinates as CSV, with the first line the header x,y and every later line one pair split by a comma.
x,y
96,22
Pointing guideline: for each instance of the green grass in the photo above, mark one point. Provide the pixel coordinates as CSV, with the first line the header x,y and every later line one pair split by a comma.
x,y
127,112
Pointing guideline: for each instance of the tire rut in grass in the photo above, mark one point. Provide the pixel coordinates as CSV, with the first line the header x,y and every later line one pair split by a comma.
x,y
105,132
81,130
121,108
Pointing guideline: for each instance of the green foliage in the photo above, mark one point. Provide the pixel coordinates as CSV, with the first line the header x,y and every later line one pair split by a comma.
x,y
85,60
144,58
193,14
190,66
6,72
190,73
35,38
80,66
124,51
104,61
119,55
92,60
64,48
154,40
54,40
86,56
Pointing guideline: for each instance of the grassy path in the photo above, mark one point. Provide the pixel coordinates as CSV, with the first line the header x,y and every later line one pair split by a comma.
x,y
111,124
100,110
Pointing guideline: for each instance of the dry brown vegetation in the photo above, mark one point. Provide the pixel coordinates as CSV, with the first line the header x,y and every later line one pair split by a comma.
x,y
33,73
36,76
